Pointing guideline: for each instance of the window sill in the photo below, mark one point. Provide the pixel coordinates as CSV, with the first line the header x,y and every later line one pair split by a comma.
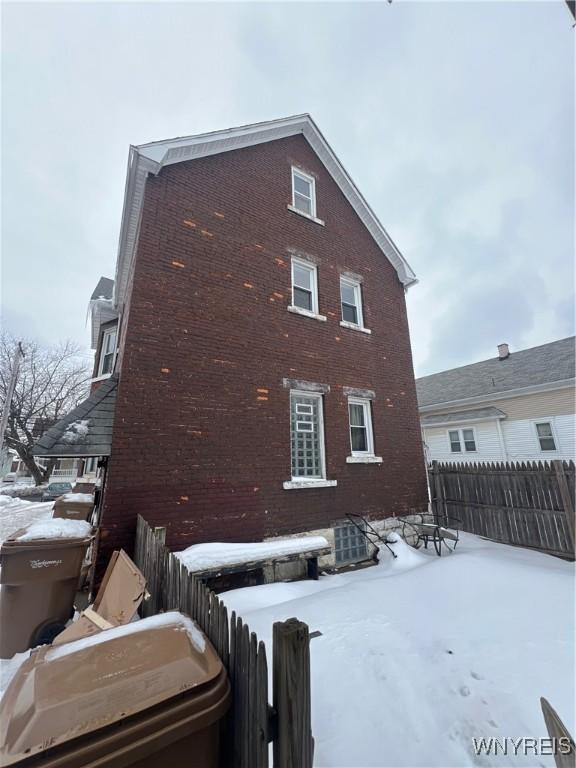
x,y
291,485
306,215
363,459
102,377
306,313
346,324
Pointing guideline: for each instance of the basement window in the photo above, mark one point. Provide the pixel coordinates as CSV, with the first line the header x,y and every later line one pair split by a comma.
x,y
545,436
303,193
349,544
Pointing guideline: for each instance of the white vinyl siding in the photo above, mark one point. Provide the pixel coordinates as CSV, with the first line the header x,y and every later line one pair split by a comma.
x,y
522,441
486,439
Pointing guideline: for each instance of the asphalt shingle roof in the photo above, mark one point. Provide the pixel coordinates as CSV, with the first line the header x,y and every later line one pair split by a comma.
x,y
103,290
85,431
526,368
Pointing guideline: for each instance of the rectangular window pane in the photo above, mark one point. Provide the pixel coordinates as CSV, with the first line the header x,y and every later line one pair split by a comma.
x,y
348,294
359,439
356,415
349,314
544,430
107,363
302,276
303,186
455,442
303,299
469,442
305,436
546,436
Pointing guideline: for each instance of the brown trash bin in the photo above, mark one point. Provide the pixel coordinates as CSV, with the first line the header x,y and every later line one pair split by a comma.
x,y
74,506
38,580
151,693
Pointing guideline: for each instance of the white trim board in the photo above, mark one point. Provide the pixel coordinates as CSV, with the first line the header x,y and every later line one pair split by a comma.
x,y
152,157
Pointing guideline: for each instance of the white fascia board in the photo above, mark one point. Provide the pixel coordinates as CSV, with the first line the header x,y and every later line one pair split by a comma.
x,y
152,157
505,395
455,424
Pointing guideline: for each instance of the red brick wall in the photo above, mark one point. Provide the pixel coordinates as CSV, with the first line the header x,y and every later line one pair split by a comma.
x,y
202,435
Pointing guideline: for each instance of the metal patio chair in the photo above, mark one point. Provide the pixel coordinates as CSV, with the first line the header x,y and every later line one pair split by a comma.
x,y
369,532
445,532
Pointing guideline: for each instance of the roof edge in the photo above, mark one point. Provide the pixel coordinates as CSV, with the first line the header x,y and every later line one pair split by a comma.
x,y
153,156
500,395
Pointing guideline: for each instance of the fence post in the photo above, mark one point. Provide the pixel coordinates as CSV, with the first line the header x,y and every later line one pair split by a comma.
x,y
293,746
438,491
566,498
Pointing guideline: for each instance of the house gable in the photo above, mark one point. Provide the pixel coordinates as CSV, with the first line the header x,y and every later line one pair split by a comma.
x,y
151,158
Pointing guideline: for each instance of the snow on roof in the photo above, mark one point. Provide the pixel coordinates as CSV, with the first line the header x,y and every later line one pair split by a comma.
x,y
76,431
200,557
78,498
174,619
56,528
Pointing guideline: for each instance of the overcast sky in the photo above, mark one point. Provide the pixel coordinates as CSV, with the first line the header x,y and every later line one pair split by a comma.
x,y
456,121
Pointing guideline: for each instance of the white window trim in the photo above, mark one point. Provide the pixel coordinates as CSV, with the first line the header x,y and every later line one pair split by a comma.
x,y
108,332
310,180
314,272
546,420
460,431
357,286
306,216
311,482
359,457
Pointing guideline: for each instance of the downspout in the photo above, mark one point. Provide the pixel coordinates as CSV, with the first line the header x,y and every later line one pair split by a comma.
x,y
502,441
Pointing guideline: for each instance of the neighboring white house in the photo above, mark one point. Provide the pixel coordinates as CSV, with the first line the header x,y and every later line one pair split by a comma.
x,y
515,407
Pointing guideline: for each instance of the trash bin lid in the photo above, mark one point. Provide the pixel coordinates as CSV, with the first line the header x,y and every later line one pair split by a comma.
x,y
55,532
63,692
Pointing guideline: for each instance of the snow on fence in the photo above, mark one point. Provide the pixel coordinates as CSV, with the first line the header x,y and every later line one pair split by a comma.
x,y
253,723
526,504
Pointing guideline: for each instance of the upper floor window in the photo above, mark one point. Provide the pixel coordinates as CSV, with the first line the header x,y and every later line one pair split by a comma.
x,y
107,352
351,300
462,437
304,286
545,436
361,436
303,192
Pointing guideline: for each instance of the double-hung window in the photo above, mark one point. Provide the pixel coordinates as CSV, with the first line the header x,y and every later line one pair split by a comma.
x,y
303,193
305,285
307,436
351,301
107,352
545,436
462,437
361,436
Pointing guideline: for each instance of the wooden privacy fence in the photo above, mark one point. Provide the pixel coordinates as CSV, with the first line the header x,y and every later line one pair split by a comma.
x,y
526,504
253,723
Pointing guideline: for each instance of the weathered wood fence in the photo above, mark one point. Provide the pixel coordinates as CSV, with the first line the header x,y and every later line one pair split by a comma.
x,y
253,723
526,504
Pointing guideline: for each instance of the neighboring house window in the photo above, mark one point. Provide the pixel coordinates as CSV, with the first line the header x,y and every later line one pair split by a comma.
x,y
107,352
545,436
361,437
304,285
462,437
349,544
303,192
351,299
91,466
306,436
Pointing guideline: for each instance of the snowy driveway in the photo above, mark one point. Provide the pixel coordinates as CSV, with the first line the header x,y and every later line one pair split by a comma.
x,y
419,655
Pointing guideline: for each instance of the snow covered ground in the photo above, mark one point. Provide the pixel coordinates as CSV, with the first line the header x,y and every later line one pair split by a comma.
x,y
16,513
420,654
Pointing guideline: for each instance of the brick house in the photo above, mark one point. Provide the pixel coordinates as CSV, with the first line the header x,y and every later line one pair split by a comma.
x,y
256,346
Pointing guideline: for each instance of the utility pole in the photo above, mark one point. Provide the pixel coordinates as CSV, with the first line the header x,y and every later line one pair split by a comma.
x,y
18,355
